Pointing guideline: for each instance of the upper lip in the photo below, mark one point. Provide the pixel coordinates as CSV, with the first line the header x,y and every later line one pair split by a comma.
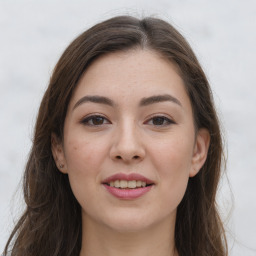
x,y
128,177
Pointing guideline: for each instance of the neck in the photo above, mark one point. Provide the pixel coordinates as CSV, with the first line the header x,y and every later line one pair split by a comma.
x,y
100,240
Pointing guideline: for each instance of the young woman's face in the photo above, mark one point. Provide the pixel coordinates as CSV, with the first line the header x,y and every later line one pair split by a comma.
x,y
130,144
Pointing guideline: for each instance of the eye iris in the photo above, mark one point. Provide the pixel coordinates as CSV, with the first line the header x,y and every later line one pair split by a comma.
x,y
97,120
158,120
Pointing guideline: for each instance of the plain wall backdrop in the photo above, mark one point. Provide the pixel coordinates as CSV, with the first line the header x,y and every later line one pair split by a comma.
x,y
33,34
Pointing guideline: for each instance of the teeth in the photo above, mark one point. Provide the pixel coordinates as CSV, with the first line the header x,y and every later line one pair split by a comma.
x,y
132,184
139,183
127,184
116,183
123,184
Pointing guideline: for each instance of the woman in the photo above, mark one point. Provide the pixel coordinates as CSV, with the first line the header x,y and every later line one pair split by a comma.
x,y
127,151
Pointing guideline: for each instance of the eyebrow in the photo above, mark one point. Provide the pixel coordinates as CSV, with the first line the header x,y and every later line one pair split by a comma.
x,y
159,98
144,101
95,99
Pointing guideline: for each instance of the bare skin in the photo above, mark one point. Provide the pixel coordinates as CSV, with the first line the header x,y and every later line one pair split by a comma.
x,y
130,113
149,242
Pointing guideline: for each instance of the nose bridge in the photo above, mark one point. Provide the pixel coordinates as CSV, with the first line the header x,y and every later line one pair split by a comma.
x,y
127,143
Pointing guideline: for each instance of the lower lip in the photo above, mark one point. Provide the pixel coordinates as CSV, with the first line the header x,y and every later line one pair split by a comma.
x,y
127,193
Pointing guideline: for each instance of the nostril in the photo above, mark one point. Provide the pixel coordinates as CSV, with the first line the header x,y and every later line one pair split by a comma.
x,y
134,157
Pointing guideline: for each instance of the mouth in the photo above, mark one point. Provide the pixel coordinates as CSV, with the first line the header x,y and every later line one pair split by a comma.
x,y
128,184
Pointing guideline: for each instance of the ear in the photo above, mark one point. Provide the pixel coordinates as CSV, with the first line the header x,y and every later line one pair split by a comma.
x,y
200,152
58,153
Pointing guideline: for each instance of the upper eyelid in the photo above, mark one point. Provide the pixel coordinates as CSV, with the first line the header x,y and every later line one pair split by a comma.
x,y
170,120
94,115
161,115
86,118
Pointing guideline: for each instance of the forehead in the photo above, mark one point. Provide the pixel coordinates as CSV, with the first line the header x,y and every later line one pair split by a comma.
x,y
131,75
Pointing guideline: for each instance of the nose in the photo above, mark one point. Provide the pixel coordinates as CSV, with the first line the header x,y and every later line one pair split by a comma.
x,y
127,145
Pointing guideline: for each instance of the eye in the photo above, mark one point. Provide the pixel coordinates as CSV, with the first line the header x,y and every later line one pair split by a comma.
x,y
95,120
160,121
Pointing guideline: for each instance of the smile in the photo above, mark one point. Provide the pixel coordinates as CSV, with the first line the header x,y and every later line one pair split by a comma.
x,y
127,186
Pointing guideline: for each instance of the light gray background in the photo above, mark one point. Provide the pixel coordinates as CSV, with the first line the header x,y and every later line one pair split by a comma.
x,y
33,35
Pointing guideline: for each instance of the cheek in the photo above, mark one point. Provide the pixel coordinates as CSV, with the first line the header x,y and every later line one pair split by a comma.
x,y
84,160
172,160
83,156
173,156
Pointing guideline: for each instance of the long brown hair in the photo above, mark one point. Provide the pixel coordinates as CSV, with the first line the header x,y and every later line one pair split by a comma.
x,y
51,223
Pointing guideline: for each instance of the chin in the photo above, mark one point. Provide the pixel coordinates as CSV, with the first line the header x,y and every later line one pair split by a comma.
x,y
129,222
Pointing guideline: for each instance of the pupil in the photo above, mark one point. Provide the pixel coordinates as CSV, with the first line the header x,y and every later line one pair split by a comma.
x,y
158,121
97,120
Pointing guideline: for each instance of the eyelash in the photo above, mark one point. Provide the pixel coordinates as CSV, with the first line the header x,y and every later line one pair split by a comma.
x,y
88,121
166,120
